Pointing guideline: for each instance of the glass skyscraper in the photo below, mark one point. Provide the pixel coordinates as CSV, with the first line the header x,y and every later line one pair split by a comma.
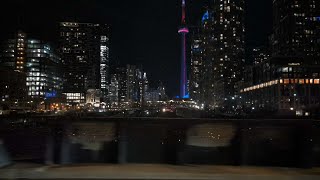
x,y
38,64
85,51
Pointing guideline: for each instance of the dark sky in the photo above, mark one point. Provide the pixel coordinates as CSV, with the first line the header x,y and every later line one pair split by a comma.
x,y
143,31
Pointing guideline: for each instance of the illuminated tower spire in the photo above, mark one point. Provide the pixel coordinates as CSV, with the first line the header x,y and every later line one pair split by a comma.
x,y
183,17
183,31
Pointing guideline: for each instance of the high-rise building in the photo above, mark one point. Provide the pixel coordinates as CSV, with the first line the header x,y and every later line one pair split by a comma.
x,y
162,92
122,81
131,83
12,87
296,29
201,76
207,83
13,53
85,51
217,56
128,87
43,70
113,97
143,86
196,67
152,95
228,52
283,85
36,62
288,82
260,54
13,75
155,96
136,85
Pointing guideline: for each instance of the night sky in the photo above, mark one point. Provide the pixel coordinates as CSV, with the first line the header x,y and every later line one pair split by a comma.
x,y
143,31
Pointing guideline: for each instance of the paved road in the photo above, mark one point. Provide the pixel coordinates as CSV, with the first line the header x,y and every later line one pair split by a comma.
x,y
155,172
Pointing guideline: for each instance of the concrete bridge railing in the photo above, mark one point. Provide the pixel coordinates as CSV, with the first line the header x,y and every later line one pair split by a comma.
x,y
62,140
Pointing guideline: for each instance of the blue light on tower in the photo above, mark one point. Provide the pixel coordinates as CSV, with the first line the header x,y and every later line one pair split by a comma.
x,y
206,16
186,96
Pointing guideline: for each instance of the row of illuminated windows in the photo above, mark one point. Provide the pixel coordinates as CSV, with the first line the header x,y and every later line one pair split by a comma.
x,y
281,81
74,95
32,46
30,83
37,74
35,93
34,54
38,51
37,78
36,88
36,84
75,98
299,81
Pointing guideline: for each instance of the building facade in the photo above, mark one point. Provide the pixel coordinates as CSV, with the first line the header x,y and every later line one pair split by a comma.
x,y
128,87
85,50
43,69
131,95
228,53
113,96
36,66
296,29
122,81
12,87
217,56
285,85
196,67
260,54
202,48
288,82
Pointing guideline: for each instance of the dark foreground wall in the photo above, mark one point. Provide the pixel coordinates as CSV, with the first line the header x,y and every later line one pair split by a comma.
x,y
65,140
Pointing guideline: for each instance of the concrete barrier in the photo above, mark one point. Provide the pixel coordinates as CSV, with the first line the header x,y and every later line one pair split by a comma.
x,y
4,156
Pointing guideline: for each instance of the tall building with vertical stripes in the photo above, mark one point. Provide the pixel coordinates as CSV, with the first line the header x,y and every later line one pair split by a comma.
x,y
85,52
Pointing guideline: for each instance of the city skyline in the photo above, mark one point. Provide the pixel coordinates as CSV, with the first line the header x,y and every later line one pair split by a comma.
x,y
178,89
140,48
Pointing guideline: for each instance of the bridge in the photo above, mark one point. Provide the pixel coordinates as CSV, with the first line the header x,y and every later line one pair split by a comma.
x,y
65,140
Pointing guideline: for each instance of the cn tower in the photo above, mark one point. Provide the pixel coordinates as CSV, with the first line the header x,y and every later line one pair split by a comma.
x,y
183,31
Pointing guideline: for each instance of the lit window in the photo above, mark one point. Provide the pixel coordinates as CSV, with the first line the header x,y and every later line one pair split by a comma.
x,y
311,81
301,81
286,81
285,69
